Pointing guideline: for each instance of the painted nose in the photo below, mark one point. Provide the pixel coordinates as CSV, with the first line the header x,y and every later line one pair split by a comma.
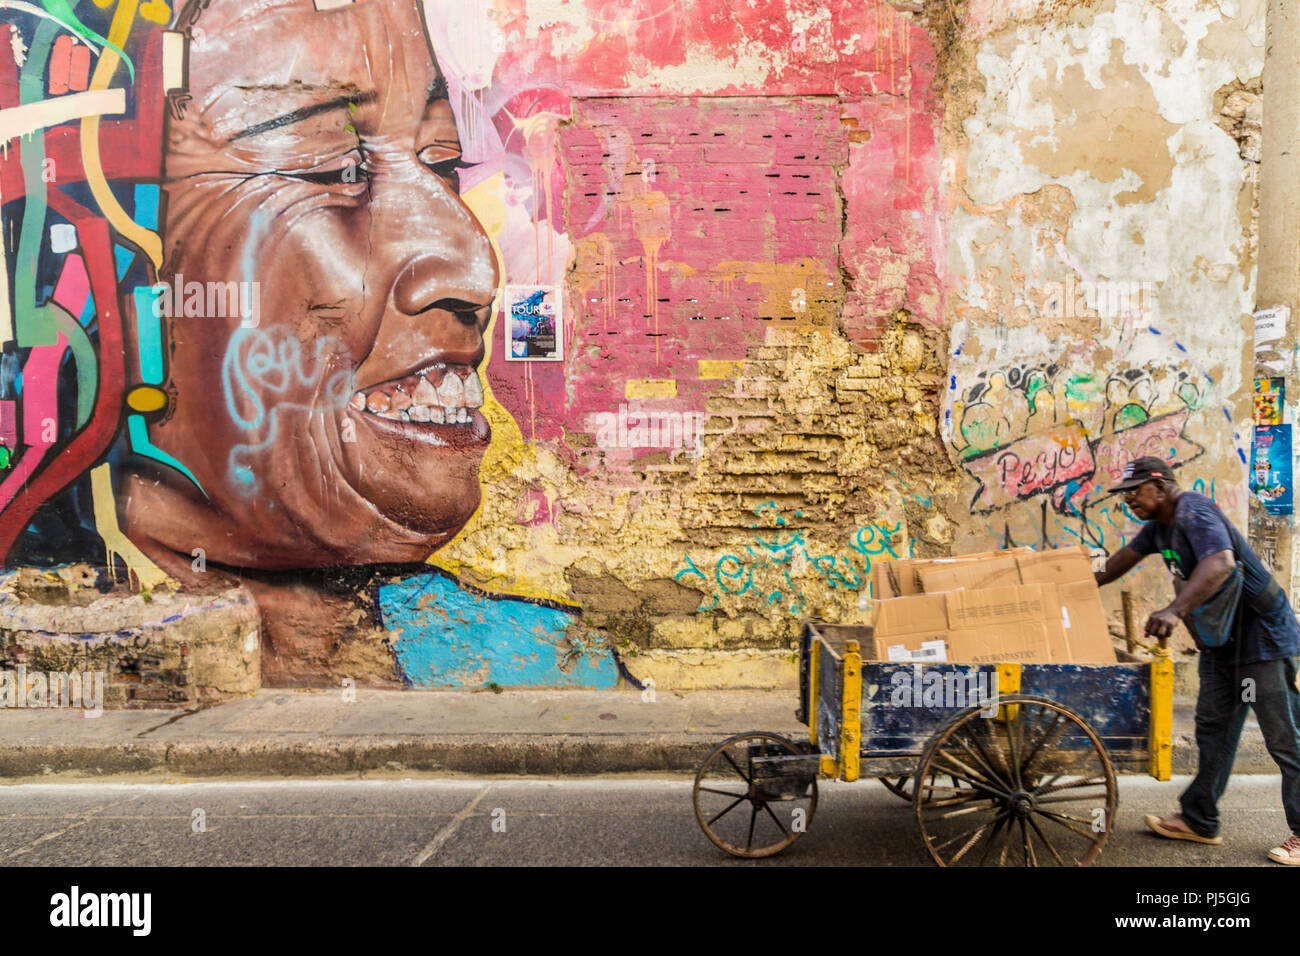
x,y
427,284
452,268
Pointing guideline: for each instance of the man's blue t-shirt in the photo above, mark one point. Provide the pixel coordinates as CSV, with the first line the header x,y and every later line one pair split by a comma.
x,y
1199,530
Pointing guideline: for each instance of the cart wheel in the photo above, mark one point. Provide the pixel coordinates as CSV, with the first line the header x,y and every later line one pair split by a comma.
x,y
1033,786
902,786
725,787
899,786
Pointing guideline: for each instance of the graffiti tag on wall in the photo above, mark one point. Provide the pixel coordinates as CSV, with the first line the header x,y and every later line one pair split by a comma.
x,y
1044,431
775,570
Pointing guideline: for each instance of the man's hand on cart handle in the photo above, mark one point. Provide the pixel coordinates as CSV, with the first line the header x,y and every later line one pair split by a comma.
x,y
1209,574
1161,624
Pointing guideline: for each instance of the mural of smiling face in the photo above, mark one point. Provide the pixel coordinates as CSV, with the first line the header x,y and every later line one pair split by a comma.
x,y
338,421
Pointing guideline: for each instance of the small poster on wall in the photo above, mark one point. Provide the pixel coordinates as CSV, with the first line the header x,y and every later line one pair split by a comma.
x,y
1268,400
1270,325
534,324
1270,468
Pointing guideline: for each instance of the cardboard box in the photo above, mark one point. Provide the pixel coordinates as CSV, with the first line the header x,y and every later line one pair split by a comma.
x,y
886,579
977,626
1085,623
1083,618
903,576
1016,605
911,615
1058,644
994,572
1058,566
897,578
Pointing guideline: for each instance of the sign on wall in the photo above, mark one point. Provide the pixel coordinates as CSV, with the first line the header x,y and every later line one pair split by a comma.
x,y
1271,468
1269,398
536,323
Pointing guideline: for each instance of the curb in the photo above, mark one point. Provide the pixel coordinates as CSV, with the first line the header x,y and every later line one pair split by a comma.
x,y
533,755
559,755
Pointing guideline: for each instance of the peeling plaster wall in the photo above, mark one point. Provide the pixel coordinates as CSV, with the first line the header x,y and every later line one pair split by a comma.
x,y
1096,202
1101,162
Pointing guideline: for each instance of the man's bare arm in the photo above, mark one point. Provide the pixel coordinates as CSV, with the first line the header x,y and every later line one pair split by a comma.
x,y
1117,565
1209,575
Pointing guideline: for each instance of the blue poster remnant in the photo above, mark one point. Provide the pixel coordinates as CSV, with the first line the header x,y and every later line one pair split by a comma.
x,y
1270,468
450,636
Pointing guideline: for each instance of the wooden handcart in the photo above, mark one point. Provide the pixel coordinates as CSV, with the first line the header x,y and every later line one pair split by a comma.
x,y
1005,764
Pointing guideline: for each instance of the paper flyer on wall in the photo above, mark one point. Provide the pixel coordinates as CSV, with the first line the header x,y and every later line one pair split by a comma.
x,y
1270,325
1269,400
1270,468
534,324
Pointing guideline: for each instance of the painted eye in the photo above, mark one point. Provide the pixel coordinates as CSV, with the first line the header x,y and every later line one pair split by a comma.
x,y
347,170
445,161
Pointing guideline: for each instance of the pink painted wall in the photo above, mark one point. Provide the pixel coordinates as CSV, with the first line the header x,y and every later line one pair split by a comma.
x,y
703,157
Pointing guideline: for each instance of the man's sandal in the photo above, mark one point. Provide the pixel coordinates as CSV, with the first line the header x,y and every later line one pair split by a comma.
x,y
1175,828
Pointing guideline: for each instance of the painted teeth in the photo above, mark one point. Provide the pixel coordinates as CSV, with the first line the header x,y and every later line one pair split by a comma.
x,y
450,403
451,393
473,392
425,393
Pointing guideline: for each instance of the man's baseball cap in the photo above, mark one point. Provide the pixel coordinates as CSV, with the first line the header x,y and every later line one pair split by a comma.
x,y
1140,471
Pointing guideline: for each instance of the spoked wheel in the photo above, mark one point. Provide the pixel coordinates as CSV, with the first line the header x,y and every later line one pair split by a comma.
x,y
741,811
899,786
902,786
1032,787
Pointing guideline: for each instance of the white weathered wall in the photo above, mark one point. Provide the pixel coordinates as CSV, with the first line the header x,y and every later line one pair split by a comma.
x,y
1099,142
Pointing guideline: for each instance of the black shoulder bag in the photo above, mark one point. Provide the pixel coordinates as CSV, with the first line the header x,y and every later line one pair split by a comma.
x,y
1213,621
1218,619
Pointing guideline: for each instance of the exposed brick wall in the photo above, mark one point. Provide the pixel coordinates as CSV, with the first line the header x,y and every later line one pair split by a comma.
x,y
718,243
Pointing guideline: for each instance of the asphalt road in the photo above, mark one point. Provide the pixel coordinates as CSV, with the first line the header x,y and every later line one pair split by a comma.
x,y
513,821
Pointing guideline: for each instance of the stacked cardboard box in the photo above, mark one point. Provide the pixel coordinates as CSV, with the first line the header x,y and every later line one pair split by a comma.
x,y
1014,605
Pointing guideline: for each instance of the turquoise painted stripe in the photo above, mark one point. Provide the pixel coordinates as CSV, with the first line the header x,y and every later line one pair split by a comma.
x,y
149,330
124,257
141,445
146,205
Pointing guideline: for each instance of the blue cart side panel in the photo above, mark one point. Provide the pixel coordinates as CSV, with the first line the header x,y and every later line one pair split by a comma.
x,y
903,704
1114,698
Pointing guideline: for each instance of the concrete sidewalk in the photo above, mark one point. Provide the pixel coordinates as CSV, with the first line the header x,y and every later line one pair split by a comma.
x,y
311,732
